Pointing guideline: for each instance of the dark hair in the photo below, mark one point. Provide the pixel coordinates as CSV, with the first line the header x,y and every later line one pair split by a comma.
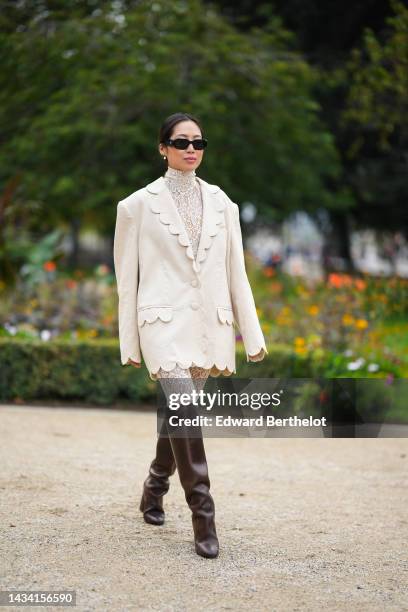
x,y
170,122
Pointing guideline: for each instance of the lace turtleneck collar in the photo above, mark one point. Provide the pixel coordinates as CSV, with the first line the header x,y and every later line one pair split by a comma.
x,y
182,180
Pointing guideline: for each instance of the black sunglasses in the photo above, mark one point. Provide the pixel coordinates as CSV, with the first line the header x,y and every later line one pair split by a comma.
x,y
182,143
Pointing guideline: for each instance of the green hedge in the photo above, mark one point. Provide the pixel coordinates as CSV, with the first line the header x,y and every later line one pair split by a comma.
x,y
90,371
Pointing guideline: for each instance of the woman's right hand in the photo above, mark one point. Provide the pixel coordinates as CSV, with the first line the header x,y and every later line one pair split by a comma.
x,y
135,364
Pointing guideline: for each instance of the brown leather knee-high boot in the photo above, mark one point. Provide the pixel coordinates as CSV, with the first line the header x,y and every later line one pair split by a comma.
x,y
157,483
189,454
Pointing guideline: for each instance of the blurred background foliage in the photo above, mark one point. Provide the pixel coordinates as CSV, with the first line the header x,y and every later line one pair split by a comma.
x,y
85,86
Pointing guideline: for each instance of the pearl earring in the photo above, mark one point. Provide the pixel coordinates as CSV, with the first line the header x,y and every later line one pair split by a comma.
x,y
164,157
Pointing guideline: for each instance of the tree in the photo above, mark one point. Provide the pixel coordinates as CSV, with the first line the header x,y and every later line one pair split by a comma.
x,y
83,94
374,119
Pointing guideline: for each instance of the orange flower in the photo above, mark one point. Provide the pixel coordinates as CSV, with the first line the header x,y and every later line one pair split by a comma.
x,y
347,319
269,271
360,284
340,280
314,310
361,324
335,280
49,266
300,350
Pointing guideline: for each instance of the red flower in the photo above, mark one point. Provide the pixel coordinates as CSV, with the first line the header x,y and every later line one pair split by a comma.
x,y
49,266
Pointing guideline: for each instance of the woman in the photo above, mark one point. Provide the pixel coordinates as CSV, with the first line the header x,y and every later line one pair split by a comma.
x,y
182,283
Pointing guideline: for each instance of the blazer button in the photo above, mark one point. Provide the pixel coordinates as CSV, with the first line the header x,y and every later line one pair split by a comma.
x,y
194,282
195,305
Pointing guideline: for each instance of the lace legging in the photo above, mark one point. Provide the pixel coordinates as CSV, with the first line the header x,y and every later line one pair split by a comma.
x,y
182,380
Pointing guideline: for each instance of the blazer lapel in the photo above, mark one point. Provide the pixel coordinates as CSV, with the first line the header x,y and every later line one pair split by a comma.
x,y
164,206
212,218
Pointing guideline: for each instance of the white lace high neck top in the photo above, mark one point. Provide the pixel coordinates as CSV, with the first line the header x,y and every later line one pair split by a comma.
x,y
186,192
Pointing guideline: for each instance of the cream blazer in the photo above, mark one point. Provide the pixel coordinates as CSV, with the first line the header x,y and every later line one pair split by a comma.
x,y
174,308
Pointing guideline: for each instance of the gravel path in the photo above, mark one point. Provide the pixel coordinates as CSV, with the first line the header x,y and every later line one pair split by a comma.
x,y
303,524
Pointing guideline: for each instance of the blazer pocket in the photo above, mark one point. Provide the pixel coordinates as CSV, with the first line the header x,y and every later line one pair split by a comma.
x,y
225,315
151,313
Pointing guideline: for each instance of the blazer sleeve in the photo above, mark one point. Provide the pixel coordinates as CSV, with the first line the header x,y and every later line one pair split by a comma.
x,y
243,303
125,255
